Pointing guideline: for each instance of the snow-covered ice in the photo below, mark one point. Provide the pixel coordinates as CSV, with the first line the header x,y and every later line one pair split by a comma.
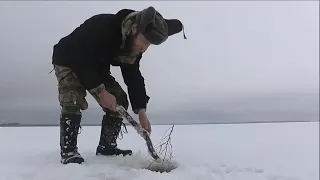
x,y
281,151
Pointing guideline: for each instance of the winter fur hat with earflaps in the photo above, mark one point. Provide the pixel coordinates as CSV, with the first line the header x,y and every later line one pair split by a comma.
x,y
152,25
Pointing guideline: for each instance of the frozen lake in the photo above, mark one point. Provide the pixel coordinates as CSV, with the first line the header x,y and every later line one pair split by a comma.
x,y
280,151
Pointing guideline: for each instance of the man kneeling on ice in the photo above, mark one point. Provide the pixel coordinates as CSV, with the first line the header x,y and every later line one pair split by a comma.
x,y
82,63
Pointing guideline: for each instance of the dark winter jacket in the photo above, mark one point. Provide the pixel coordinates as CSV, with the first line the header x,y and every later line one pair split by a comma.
x,y
90,50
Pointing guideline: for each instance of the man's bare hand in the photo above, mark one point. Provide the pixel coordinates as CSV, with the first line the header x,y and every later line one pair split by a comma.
x,y
108,100
144,121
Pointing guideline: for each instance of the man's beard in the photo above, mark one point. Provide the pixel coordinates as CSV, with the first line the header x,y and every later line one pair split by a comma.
x,y
128,49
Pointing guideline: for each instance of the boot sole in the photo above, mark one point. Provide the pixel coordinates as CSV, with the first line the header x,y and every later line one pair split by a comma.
x,y
74,160
115,154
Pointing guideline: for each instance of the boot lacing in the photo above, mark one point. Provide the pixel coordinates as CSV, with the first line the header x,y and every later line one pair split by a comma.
x,y
124,130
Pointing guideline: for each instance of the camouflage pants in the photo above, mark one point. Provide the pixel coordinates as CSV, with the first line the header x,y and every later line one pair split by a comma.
x,y
72,95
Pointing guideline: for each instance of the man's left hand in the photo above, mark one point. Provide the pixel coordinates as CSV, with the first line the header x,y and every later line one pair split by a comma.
x,y
144,121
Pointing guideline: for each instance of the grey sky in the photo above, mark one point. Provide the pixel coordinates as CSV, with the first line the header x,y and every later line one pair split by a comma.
x,y
234,50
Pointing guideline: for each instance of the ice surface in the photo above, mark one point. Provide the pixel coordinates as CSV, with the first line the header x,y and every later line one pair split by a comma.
x,y
283,151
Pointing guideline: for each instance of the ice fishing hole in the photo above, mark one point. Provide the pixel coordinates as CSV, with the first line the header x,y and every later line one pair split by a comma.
x,y
162,166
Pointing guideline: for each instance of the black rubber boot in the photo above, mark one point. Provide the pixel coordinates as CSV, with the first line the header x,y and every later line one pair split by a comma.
x,y
69,129
110,130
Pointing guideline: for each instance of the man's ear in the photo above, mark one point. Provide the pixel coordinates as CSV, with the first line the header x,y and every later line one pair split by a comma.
x,y
134,28
174,26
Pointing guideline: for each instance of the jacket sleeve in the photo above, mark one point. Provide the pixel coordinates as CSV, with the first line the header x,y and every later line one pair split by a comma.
x,y
136,87
87,76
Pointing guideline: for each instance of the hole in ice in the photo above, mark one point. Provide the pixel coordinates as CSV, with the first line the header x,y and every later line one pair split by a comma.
x,y
165,165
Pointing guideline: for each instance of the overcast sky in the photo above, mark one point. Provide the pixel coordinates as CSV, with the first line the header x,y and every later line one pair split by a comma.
x,y
234,50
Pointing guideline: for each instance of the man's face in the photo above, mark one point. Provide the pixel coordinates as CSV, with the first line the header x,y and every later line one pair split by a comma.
x,y
139,43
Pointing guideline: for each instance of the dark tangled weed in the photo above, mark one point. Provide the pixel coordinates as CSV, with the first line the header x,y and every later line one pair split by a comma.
x,y
164,149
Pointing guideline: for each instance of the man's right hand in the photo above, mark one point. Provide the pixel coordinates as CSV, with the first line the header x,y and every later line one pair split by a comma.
x,y
108,100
